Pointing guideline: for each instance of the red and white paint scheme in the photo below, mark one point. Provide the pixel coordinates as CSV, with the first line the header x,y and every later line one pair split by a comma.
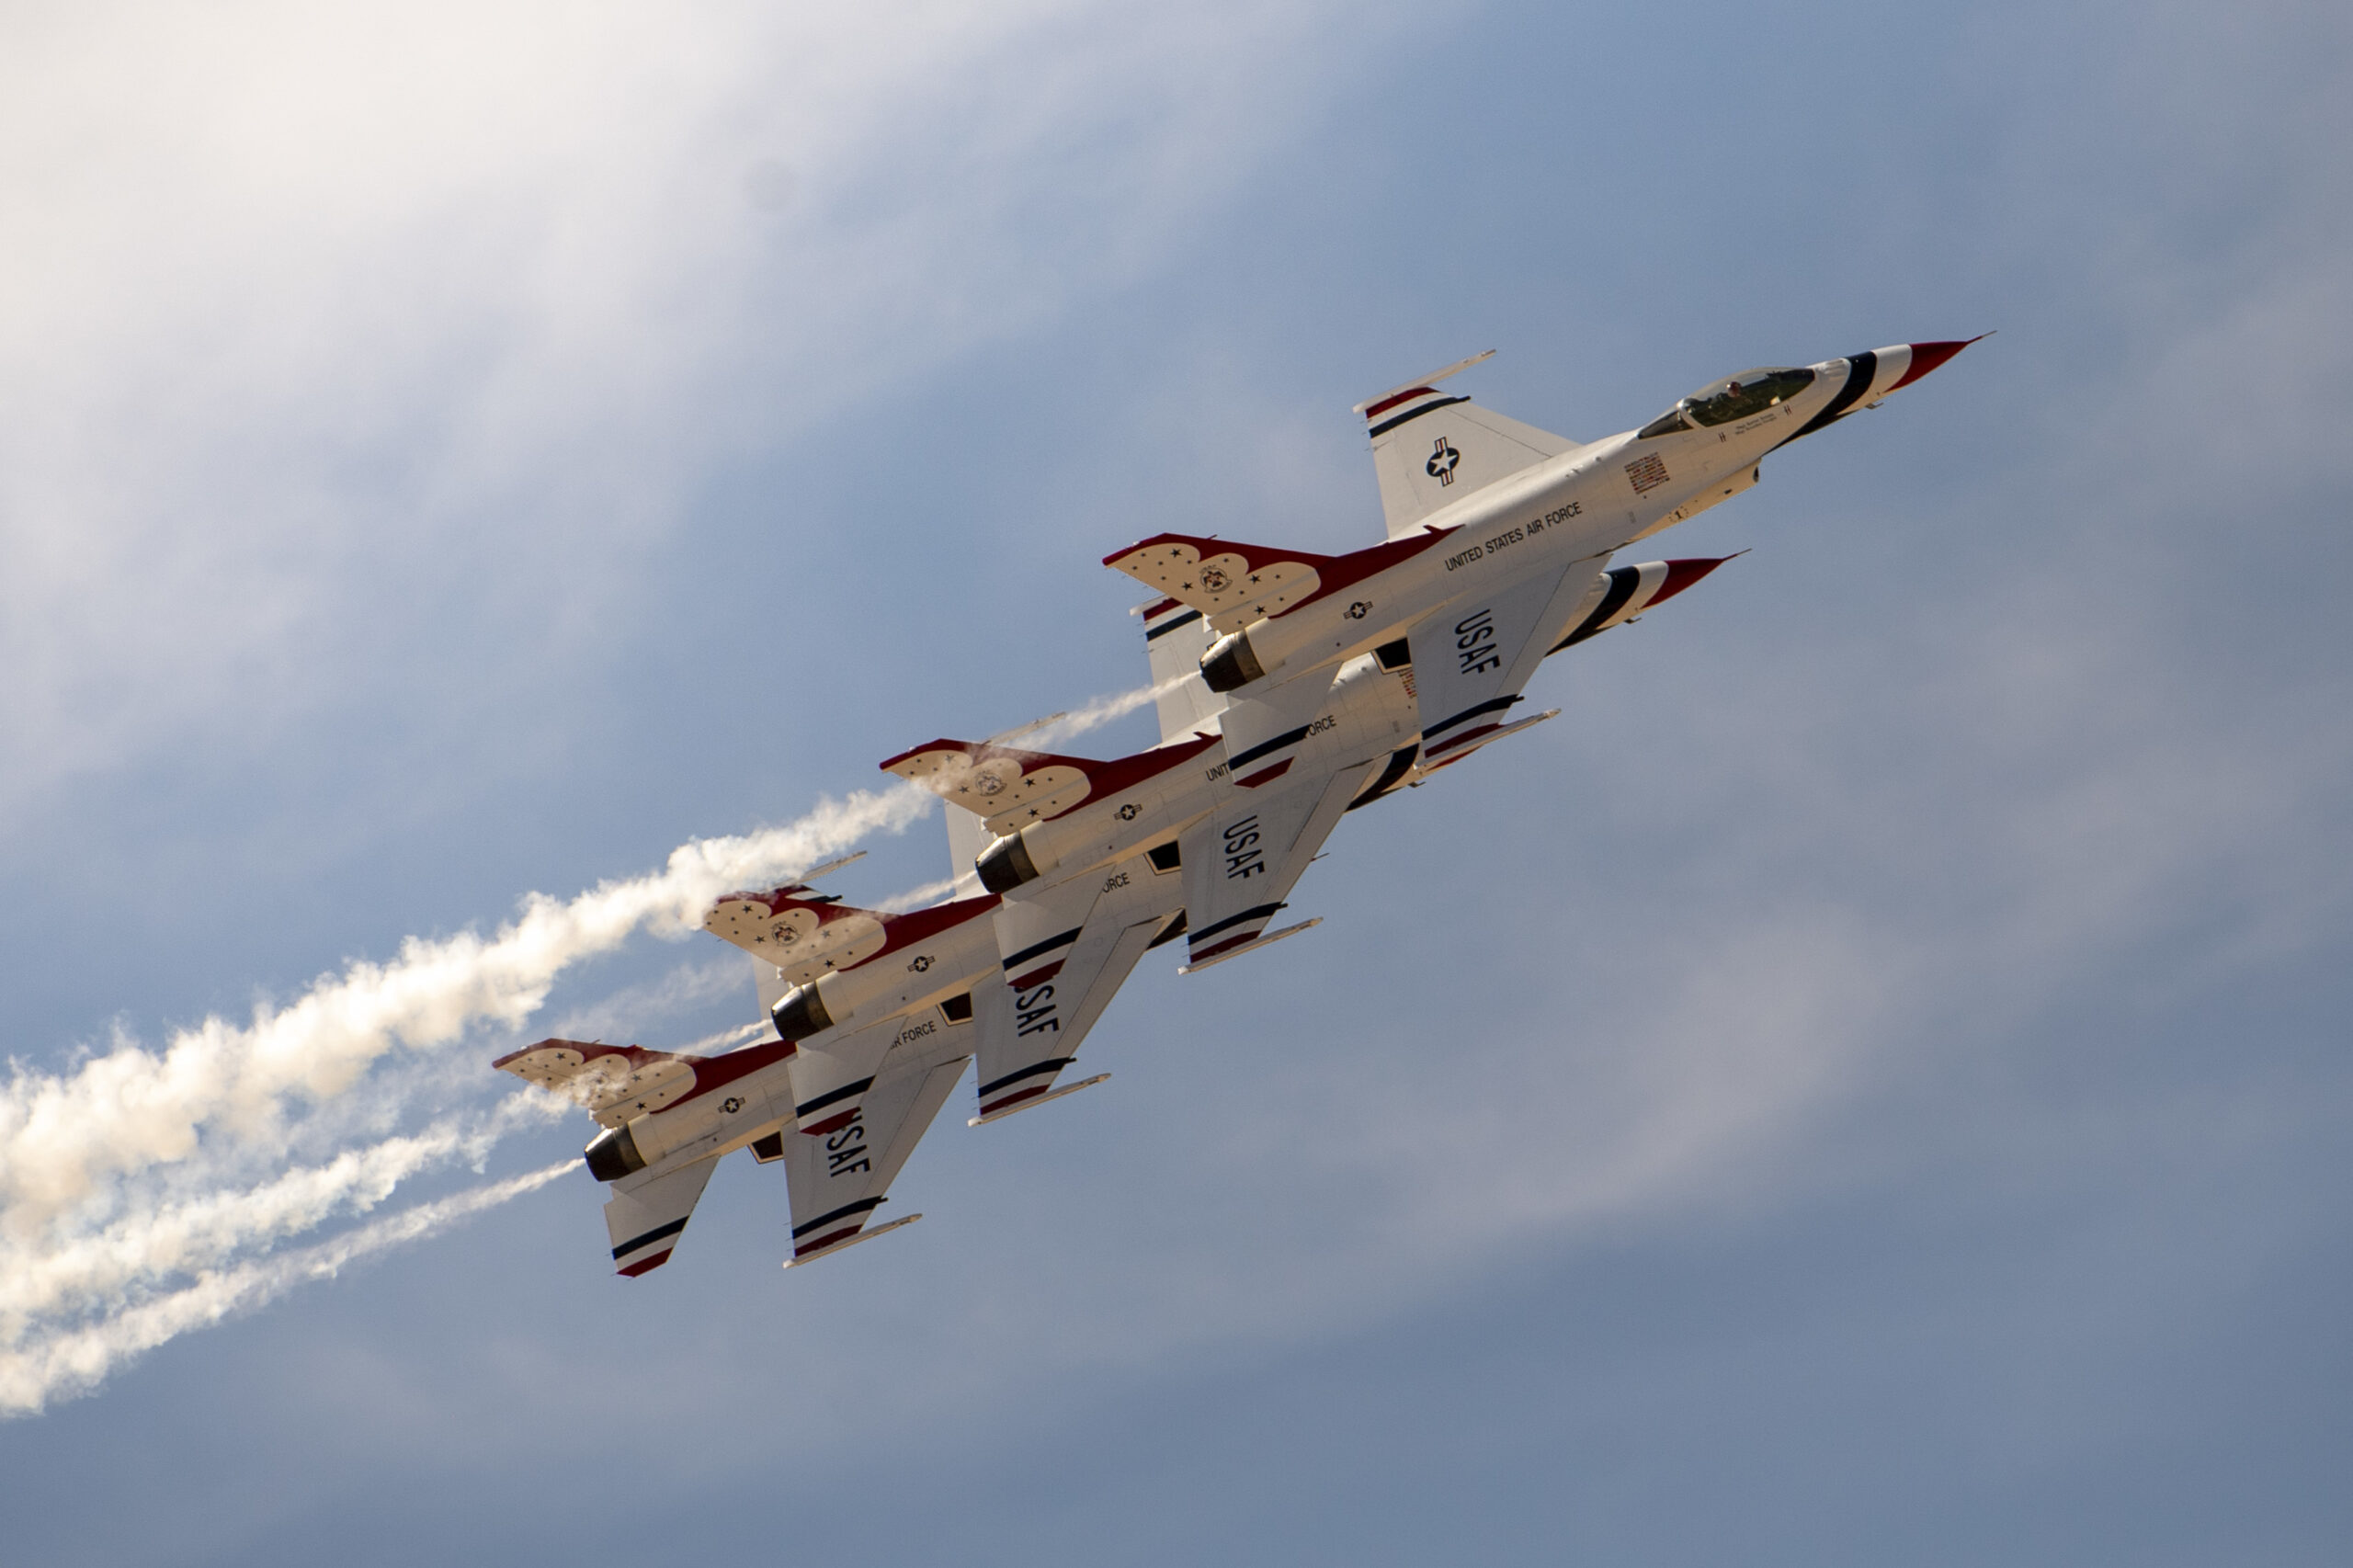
x,y
667,1120
851,972
1483,508
1055,816
1082,852
840,1102
846,965
1291,688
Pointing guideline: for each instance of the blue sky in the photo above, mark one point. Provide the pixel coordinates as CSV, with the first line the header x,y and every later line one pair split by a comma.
x,y
1867,1083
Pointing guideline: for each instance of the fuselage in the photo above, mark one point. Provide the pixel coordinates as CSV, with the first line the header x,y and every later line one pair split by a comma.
x,y
1583,504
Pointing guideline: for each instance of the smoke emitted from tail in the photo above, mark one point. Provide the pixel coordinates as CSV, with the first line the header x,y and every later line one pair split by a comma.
x,y
1037,733
145,1194
141,1192
1095,714
62,1137
65,1361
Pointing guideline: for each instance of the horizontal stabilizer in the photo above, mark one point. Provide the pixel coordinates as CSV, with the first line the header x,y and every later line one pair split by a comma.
x,y
807,936
1012,788
617,1084
813,872
645,1218
1235,584
611,1082
801,934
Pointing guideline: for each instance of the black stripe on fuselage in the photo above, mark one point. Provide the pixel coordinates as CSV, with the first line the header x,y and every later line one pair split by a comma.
x,y
1263,912
1399,762
863,1206
1493,705
1289,737
1386,426
1165,627
1861,369
1052,1065
655,1235
1623,581
1047,945
830,1097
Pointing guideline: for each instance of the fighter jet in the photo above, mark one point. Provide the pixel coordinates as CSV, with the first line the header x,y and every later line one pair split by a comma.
x,y
1081,854
874,1018
1292,688
1500,535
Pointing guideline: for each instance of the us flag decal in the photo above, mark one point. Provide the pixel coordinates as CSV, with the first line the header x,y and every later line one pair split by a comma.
x,y
1647,473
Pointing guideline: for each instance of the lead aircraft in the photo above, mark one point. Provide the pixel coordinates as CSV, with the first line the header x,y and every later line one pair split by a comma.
x,y
1292,688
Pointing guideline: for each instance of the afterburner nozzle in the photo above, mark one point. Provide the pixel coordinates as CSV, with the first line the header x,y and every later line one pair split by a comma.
x,y
800,1013
1006,865
1230,664
613,1155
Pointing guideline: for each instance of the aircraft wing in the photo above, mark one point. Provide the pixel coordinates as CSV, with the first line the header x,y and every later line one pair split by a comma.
x,y
840,1176
1472,658
1242,860
1431,449
1068,949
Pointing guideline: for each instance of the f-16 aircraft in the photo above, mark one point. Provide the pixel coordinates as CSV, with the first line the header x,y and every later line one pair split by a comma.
x,y
1497,534
1291,688
874,1019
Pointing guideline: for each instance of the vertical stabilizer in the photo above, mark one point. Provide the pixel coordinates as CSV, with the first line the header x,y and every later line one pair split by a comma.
x,y
1176,636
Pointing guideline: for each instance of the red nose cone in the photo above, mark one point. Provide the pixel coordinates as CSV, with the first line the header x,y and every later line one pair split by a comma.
x,y
1927,357
1681,574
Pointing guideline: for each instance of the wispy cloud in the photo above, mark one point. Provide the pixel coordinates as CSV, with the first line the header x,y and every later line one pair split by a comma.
x,y
309,316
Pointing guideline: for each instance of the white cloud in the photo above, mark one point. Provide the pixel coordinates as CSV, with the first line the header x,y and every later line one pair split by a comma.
x,y
319,328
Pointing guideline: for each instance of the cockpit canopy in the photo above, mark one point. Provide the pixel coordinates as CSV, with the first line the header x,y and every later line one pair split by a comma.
x,y
1735,397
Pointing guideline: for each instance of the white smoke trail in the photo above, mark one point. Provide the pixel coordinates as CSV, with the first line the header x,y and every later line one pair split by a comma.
x,y
1101,711
1037,733
77,1360
64,1136
136,1189
104,1268
141,1193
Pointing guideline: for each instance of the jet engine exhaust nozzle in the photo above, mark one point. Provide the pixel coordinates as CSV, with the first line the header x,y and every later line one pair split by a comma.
x,y
1006,865
801,1014
1230,665
613,1155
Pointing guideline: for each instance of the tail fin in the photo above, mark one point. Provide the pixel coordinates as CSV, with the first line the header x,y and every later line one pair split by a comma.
x,y
1175,637
1430,450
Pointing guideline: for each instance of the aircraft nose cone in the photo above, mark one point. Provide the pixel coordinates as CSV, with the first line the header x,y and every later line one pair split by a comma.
x,y
1927,357
1681,574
